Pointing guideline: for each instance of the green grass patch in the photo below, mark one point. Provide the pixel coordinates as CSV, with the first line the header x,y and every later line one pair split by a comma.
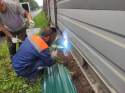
x,y
10,82
3,51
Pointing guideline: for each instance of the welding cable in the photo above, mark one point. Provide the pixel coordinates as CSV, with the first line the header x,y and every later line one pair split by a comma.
x,y
51,72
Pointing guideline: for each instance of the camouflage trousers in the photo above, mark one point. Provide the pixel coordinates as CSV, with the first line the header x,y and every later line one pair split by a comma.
x,y
21,34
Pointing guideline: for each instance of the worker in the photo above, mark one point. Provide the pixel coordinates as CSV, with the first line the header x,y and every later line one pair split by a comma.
x,y
13,24
34,54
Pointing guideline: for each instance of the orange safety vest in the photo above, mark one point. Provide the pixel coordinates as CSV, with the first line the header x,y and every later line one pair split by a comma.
x,y
38,42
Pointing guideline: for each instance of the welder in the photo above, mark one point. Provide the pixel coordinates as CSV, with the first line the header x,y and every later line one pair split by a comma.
x,y
34,54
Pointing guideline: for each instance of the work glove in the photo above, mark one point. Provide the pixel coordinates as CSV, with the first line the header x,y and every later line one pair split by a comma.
x,y
15,40
54,53
31,24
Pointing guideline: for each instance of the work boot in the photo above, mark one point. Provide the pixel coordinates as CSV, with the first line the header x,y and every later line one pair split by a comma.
x,y
33,79
30,80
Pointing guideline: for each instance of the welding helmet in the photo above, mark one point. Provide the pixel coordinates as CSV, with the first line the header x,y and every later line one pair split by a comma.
x,y
52,32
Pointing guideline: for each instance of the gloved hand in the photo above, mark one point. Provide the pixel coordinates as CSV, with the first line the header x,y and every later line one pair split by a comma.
x,y
15,40
54,53
31,24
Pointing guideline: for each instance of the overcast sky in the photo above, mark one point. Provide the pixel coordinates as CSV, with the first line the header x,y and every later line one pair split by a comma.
x,y
40,2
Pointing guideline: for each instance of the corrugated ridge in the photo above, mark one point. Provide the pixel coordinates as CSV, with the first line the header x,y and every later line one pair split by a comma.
x,y
59,81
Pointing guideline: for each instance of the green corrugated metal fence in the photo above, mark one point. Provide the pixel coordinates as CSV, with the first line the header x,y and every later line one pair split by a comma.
x,y
57,82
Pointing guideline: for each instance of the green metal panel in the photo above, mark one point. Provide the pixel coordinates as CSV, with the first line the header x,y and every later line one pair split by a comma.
x,y
44,82
56,79
49,82
57,82
72,86
71,80
53,81
64,80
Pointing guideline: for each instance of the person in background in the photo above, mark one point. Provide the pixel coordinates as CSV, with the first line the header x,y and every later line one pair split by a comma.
x,y
12,23
34,54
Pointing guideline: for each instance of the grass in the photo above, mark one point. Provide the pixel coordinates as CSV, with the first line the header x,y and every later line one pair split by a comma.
x,y
40,20
10,82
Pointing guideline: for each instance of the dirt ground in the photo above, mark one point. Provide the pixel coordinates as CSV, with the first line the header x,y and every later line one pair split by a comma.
x,y
81,83
2,39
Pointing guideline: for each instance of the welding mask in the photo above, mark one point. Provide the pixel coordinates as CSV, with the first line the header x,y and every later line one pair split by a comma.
x,y
52,34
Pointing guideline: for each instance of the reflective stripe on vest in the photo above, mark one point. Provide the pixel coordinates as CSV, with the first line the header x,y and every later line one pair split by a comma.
x,y
38,42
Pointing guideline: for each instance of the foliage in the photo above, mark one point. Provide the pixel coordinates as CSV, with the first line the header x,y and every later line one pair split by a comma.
x,y
33,4
3,51
10,82
58,60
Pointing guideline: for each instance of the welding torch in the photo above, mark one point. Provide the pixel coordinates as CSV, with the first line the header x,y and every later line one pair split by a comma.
x,y
55,49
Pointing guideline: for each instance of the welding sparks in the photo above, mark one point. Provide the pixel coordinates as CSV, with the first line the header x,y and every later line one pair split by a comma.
x,y
65,42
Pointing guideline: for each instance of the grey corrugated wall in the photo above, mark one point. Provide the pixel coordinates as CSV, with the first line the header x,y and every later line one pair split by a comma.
x,y
97,29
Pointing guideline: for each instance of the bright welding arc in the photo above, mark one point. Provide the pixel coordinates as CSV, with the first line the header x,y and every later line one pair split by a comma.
x,y
65,42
